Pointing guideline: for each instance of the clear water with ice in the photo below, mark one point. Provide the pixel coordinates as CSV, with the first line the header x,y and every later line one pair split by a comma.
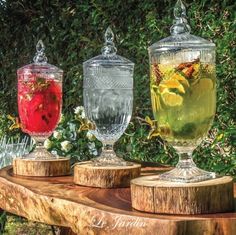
x,y
110,110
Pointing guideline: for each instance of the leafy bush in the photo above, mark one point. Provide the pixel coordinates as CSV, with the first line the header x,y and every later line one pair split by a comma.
x,y
73,32
70,140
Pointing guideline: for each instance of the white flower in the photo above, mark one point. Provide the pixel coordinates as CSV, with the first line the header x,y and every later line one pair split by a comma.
x,y
54,152
92,149
66,145
82,115
79,110
57,135
90,136
47,144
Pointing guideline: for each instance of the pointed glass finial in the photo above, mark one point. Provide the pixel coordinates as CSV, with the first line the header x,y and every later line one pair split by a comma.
x,y
40,56
109,46
180,23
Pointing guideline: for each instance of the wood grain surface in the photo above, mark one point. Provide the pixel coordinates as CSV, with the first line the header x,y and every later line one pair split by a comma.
x,y
105,177
58,201
150,194
32,167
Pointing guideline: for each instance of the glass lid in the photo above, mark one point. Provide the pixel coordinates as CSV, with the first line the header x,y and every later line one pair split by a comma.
x,y
40,64
180,34
108,56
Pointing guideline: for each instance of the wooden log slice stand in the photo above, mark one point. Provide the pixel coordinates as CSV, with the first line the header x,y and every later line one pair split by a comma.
x,y
150,194
105,177
32,167
86,210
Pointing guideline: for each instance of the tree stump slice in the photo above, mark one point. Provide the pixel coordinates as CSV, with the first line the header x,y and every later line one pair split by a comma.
x,y
84,210
31,167
150,194
86,174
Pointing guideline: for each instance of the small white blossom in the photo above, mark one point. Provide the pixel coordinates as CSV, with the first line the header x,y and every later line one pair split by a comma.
x,y
54,152
82,115
47,144
92,149
66,145
90,136
57,135
79,110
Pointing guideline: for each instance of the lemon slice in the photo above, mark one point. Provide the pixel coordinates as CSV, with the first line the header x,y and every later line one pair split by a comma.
x,y
172,83
171,99
180,78
203,87
205,84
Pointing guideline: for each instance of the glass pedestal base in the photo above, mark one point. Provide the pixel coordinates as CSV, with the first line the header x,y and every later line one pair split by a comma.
x,y
40,154
109,160
187,175
186,170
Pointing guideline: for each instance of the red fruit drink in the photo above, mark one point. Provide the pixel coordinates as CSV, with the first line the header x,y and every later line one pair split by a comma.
x,y
39,103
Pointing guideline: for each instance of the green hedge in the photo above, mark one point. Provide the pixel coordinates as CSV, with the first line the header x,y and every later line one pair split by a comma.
x,y
73,32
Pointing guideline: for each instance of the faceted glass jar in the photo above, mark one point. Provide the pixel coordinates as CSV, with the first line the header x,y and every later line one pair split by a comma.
x,y
39,101
108,98
39,98
183,94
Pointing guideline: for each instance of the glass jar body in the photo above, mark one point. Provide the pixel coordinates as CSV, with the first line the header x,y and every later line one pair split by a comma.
x,y
183,94
108,102
39,101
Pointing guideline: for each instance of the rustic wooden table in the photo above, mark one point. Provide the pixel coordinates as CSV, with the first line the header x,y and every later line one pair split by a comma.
x,y
84,210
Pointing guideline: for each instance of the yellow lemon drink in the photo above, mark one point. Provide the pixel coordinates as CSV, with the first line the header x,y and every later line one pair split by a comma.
x,y
183,100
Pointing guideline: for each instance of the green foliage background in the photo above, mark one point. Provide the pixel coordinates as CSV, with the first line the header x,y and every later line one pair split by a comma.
x,y
73,32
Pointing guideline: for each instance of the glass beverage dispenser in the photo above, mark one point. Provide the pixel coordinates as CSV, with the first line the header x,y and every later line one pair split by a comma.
x,y
183,93
108,98
39,100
